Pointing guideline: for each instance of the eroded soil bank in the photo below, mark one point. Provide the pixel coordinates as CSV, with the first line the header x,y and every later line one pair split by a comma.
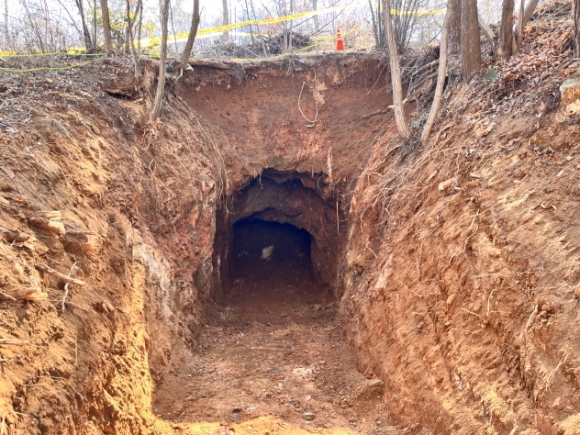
x,y
422,288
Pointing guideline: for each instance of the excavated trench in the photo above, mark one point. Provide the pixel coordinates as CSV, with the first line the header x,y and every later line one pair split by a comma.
x,y
271,348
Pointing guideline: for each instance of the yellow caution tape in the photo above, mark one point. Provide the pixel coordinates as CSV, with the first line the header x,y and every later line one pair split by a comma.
x,y
44,68
57,53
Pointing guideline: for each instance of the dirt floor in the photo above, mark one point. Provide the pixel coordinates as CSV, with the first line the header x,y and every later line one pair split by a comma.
x,y
273,349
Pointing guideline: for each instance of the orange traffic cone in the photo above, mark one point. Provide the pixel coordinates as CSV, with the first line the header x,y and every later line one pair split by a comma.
x,y
339,41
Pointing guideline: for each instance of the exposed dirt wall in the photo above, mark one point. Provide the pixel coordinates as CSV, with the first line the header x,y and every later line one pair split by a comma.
x,y
90,366
466,304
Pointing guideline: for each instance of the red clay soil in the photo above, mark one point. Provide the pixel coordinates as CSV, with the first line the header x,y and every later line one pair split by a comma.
x,y
456,274
272,348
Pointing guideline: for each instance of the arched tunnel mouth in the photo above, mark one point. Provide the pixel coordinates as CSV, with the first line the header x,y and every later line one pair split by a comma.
x,y
280,229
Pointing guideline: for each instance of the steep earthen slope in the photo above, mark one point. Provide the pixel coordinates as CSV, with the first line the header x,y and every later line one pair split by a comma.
x,y
463,264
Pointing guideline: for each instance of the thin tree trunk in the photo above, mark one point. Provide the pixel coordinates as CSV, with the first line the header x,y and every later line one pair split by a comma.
x,y
106,26
6,24
130,23
454,44
442,73
161,78
86,32
95,23
316,23
247,18
470,42
506,33
191,37
226,20
526,12
375,27
33,24
400,118
487,32
173,30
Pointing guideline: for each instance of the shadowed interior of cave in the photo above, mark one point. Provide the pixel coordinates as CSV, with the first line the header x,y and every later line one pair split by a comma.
x,y
269,249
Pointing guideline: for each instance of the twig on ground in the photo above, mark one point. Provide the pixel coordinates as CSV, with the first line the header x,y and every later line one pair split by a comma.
x,y
13,342
489,302
529,322
66,289
7,296
59,275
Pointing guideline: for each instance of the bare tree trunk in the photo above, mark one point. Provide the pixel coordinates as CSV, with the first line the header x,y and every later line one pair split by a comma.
x,y
131,42
395,68
442,73
454,45
34,27
173,30
163,57
375,27
470,43
290,26
191,37
226,20
487,32
86,33
506,33
247,18
95,23
576,28
525,14
6,24
106,26
316,23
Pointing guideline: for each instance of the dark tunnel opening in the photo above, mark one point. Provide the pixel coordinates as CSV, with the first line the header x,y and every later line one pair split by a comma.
x,y
270,249
292,214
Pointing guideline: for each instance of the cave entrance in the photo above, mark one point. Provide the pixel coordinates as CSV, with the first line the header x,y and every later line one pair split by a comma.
x,y
280,230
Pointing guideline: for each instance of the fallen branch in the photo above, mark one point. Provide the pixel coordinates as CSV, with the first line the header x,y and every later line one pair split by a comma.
x,y
13,342
72,269
28,294
7,296
59,275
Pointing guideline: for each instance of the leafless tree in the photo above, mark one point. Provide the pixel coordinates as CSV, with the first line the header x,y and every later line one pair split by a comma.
x,y
526,12
400,119
226,20
191,37
6,24
470,42
106,26
86,33
506,34
162,58
442,73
